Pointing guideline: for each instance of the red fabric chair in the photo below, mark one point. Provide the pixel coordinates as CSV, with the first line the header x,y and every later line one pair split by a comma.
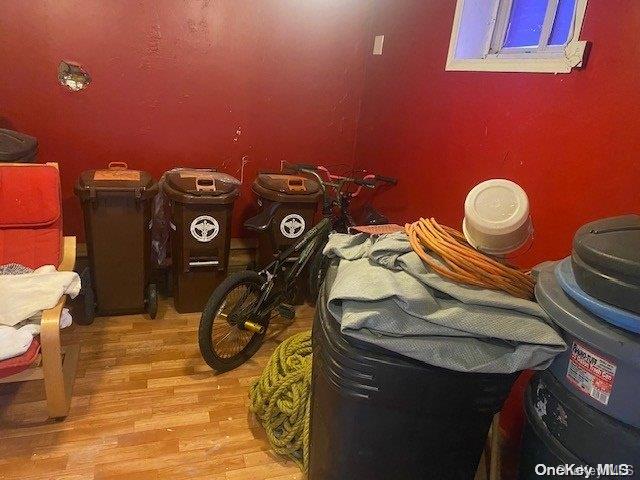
x,y
30,215
31,235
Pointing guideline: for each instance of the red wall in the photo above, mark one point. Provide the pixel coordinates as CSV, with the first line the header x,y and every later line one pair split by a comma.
x,y
571,140
184,83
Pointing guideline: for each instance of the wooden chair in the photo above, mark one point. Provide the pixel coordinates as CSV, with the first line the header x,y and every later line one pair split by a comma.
x,y
32,236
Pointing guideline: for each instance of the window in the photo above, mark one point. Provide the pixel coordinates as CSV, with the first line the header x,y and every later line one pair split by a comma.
x,y
517,35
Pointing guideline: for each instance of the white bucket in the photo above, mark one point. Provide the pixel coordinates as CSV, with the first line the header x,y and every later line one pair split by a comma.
x,y
496,217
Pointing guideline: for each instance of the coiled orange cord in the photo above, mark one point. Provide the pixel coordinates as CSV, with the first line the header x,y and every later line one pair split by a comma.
x,y
465,264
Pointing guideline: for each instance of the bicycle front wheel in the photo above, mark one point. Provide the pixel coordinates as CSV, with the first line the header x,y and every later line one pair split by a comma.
x,y
224,342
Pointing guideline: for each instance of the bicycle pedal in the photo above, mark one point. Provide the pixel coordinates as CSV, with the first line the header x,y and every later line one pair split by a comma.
x,y
287,311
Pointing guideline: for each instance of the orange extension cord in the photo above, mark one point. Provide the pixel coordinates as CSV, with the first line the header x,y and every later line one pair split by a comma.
x,y
465,264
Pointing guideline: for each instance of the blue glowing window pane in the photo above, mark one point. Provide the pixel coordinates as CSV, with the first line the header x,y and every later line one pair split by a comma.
x,y
562,23
525,23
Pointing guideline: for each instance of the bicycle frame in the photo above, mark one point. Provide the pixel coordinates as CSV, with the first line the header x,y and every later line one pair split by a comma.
x,y
289,266
308,245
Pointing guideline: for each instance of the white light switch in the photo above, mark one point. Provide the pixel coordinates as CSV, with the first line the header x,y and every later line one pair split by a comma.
x,y
378,42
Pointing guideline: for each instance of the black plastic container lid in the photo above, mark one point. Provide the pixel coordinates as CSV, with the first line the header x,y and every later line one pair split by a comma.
x,y
16,147
606,260
117,178
611,244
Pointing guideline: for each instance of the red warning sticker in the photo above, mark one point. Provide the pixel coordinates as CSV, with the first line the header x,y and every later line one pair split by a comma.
x,y
591,373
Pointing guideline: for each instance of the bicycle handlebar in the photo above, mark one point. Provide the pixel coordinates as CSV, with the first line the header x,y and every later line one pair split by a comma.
x,y
338,181
389,180
365,182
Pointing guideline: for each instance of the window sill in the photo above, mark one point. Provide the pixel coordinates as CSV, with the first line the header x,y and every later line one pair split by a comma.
x,y
523,62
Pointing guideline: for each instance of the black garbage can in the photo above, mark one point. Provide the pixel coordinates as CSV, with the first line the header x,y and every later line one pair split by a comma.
x,y
201,207
378,416
116,203
16,147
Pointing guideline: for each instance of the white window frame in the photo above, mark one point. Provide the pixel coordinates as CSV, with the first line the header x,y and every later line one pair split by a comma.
x,y
494,57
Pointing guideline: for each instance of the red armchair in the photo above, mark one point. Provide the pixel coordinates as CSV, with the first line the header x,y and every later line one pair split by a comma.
x,y
31,235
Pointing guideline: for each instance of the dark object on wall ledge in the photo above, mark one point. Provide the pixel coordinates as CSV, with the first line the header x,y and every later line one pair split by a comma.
x,y
17,147
376,415
116,203
606,260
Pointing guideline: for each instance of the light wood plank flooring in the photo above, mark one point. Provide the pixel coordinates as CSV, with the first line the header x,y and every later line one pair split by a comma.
x,y
145,406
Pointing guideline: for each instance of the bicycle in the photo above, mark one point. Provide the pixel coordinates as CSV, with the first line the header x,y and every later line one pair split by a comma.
x,y
235,320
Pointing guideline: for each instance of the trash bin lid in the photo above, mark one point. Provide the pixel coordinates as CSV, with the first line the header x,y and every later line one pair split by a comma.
x,y
288,184
280,187
606,260
612,244
582,324
117,177
187,185
614,315
16,146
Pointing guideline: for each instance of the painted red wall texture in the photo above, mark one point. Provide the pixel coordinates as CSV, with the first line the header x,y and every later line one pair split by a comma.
x,y
184,83
205,83
571,140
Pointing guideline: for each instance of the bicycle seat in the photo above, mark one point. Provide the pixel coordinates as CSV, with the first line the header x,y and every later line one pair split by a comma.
x,y
262,220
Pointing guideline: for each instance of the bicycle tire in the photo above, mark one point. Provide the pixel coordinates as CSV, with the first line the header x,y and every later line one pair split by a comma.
x,y
209,314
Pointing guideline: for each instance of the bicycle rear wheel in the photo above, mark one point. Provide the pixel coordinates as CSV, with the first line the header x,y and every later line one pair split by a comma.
x,y
224,343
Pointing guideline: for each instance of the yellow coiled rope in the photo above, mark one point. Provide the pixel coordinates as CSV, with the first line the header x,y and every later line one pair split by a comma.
x,y
280,398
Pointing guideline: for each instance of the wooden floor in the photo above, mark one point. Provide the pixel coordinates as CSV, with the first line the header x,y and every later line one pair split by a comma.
x,y
145,406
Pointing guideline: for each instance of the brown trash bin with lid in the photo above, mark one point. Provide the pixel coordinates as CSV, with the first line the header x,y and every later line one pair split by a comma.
x,y
288,205
116,204
201,207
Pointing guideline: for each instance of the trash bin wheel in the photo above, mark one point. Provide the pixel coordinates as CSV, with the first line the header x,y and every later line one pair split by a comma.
x,y
152,300
224,344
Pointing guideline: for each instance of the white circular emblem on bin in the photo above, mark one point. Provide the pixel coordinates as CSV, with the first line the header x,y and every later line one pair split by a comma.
x,y
292,225
204,228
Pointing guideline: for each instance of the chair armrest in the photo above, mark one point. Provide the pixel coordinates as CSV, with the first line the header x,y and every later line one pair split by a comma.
x,y
51,318
57,389
68,262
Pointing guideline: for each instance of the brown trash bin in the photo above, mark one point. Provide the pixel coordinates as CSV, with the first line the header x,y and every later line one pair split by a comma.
x,y
116,204
288,205
201,207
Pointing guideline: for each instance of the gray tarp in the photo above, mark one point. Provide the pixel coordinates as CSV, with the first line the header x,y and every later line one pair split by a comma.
x,y
384,294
